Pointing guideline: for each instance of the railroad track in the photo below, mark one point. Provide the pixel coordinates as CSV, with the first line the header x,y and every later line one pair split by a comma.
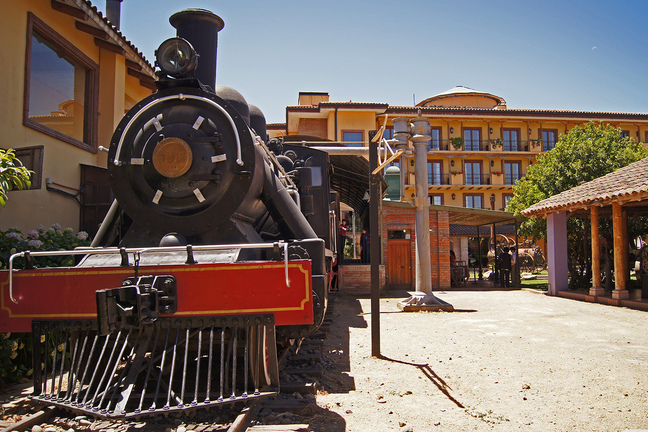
x,y
300,367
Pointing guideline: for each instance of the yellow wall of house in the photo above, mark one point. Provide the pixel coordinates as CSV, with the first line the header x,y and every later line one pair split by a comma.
x,y
352,121
61,161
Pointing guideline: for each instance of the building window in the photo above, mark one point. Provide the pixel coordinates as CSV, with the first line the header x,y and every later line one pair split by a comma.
x,y
473,173
436,199
506,198
32,159
388,133
549,139
511,172
435,142
511,139
625,134
471,139
61,87
353,138
473,200
434,173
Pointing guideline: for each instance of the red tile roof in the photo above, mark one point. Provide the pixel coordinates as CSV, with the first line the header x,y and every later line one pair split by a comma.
x,y
625,185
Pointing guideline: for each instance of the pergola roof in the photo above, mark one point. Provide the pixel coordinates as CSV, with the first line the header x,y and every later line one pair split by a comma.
x,y
627,186
467,216
476,217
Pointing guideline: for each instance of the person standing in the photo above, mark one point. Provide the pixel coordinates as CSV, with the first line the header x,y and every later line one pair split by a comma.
x,y
515,272
343,232
504,265
364,245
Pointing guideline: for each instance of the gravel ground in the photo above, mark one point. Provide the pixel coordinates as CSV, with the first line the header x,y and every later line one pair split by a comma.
x,y
504,360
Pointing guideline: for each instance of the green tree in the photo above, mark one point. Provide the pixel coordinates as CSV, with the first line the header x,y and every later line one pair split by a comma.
x,y
581,155
12,174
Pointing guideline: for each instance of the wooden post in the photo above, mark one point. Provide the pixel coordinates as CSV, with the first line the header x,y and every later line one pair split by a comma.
x,y
596,288
624,232
620,292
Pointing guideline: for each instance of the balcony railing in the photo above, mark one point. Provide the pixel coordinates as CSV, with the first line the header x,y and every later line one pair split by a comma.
x,y
439,179
477,179
485,145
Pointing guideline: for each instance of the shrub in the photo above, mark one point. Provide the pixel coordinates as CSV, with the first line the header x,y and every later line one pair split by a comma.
x,y
16,348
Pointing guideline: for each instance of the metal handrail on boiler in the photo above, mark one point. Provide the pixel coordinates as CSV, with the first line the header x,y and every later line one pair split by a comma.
x,y
138,251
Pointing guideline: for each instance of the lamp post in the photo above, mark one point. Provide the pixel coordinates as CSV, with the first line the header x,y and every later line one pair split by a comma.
x,y
418,131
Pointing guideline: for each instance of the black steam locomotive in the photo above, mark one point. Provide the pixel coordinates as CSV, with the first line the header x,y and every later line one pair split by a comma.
x,y
217,250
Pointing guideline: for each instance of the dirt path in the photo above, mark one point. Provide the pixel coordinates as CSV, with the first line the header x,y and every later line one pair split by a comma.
x,y
505,360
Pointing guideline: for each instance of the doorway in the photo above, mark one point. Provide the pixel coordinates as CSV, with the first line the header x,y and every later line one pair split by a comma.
x,y
399,252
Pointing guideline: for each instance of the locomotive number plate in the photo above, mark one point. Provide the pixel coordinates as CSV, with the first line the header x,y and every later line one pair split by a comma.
x,y
172,157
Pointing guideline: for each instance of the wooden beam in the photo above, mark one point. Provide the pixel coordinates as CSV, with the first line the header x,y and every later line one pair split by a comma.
x,y
94,31
110,47
148,84
139,75
133,65
69,10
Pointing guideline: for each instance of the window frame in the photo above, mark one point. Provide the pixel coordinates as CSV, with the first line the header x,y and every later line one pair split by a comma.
x,y
479,176
511,131
519,171
439,139
545,145
473,195
431,172
472,131
436,195
36,165
355,143
91,91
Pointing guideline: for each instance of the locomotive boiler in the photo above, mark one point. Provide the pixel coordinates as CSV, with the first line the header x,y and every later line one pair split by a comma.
x,y
215,252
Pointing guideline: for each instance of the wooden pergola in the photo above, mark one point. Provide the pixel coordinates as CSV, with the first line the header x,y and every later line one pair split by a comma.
x,y
622,193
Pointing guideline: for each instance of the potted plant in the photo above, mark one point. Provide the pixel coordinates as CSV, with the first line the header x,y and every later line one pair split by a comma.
x,y
497,142
457,142
456,172
497,173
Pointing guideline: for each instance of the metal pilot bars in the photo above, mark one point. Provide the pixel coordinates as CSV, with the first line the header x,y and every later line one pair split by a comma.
x,y
417,130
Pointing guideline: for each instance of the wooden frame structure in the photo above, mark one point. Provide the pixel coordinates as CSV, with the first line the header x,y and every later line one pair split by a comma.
x,y
620,194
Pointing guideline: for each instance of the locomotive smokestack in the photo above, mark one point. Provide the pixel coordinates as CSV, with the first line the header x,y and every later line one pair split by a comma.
x,y
200,27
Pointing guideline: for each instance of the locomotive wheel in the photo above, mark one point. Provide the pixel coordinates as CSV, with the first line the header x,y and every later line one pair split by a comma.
x,y
259,356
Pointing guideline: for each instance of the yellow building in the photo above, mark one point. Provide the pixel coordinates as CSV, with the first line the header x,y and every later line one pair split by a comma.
x,y
68,77
479,146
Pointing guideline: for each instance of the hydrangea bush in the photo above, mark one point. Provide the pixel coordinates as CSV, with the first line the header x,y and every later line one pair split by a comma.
x,y
16,348
41,239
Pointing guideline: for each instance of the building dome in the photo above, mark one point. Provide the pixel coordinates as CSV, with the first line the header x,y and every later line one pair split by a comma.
x,y
461,96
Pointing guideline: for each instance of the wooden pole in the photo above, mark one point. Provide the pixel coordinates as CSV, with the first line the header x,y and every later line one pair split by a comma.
x,y
374,248
620,291
596,253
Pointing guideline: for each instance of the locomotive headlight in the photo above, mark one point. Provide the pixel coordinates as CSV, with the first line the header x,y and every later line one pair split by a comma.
x,y
176,57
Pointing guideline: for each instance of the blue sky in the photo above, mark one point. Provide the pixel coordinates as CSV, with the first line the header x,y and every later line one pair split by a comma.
x,y
553,54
